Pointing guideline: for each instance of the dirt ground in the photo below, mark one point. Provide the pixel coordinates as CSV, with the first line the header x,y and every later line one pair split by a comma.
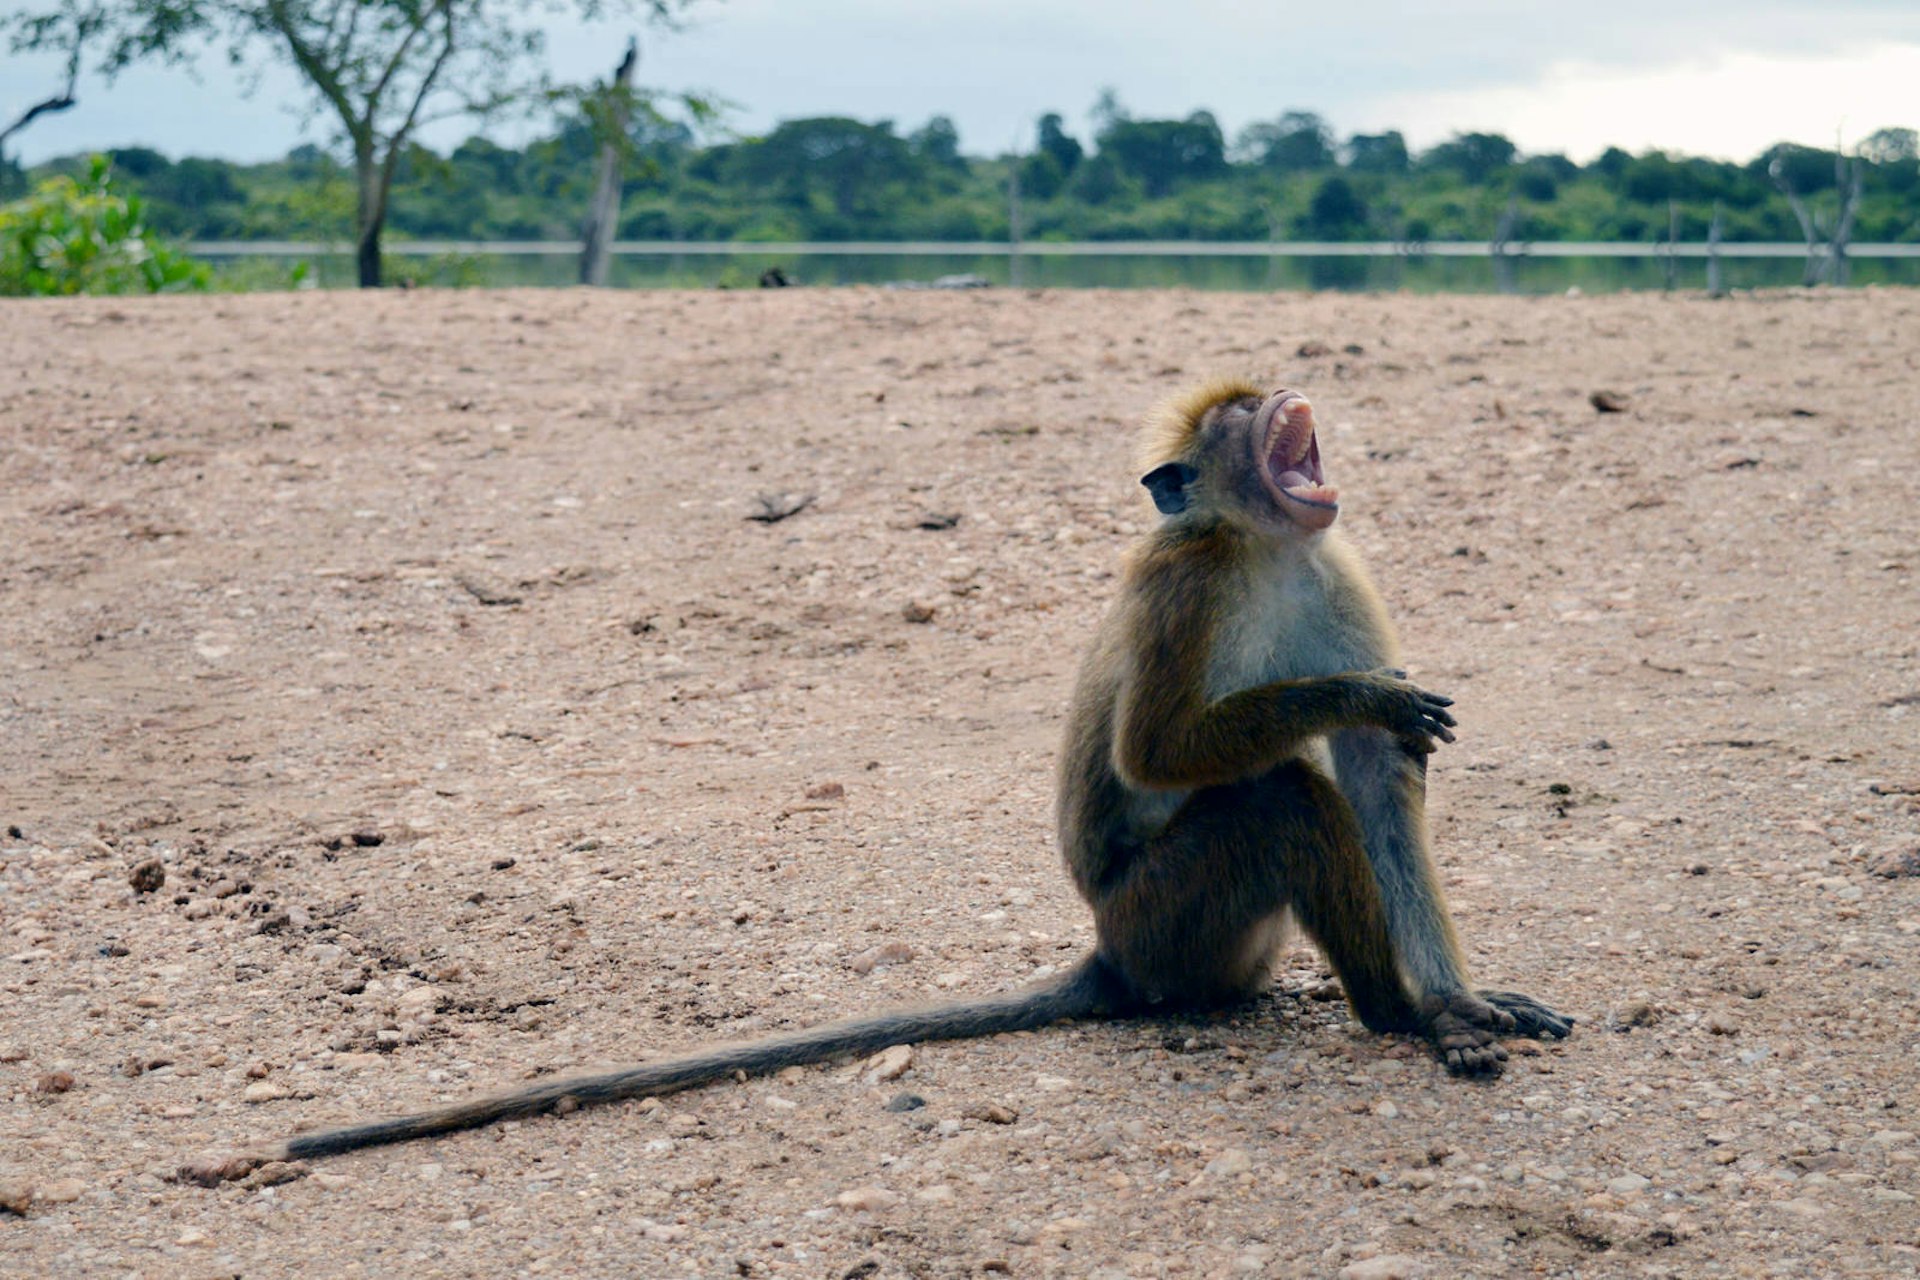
x,y
425,642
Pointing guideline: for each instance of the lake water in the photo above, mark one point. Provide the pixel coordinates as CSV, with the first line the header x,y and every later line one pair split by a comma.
x,y
1460,269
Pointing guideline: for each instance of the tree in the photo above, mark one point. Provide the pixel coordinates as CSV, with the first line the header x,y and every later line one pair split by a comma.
x,y
1055,142
1162,154
1296,142
612,110
380,68
1336,212
851,160
1890,146
1378,153
937,144
1107,111
1476,157
1055,158
1788,172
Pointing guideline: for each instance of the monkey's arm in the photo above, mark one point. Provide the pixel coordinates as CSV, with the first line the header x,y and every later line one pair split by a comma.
x,y
1168,736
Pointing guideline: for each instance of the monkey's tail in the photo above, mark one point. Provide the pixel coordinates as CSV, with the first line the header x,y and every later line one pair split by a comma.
x,y
1089,988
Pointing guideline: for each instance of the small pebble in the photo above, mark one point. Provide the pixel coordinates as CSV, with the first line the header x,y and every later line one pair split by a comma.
x,y
867,1199
1635,1013
1231,1162
889,1064
887,953
63,1191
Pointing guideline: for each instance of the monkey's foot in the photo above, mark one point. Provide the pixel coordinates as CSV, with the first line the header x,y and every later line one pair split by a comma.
x,y
1466,1030
1531,1018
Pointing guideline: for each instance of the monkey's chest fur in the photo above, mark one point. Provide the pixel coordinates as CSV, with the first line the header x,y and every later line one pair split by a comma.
x,y
1282,627
1290,620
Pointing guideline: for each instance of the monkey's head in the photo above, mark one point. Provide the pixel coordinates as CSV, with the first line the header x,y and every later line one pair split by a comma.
x,y
1232,450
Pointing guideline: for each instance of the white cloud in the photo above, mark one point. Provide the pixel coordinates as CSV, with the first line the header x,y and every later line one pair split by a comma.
x,y
1732,106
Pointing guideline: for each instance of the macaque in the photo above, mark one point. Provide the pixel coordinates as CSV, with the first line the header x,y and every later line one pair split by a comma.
x,y
1242,751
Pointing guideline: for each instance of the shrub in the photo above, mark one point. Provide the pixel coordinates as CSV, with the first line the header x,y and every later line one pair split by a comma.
x,y
80,236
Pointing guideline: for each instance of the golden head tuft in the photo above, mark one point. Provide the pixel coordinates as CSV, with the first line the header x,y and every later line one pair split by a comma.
x,y
1168,431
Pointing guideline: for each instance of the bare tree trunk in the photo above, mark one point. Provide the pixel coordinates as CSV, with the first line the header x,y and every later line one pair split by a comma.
x,y
1716,287
1274,238
603,216
1777,171
1671,266
1847,180
1503,273
370,217
1015,231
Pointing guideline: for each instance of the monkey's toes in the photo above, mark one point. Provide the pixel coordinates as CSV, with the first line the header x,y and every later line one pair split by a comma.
x,y
1531,1018
1466,1033
1477,1060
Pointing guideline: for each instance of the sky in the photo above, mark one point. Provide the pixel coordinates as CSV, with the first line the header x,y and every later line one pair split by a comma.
x,y
1722,78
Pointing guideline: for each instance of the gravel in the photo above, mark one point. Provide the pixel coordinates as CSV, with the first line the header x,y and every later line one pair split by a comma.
x,y
424,643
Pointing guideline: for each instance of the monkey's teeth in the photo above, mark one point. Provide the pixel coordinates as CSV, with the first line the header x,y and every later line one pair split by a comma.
x,y
1291,442
1307,491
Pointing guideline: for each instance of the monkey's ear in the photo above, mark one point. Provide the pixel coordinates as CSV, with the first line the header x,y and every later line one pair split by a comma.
x,y
1168,485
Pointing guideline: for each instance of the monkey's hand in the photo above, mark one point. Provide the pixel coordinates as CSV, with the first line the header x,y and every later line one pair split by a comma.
x,y
1407,711
1466,1030
1533,1019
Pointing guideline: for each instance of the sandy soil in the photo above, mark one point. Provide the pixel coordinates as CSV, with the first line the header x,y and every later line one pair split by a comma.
x,y
423,640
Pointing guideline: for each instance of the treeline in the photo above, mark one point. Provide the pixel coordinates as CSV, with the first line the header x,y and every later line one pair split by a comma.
x,y
832,178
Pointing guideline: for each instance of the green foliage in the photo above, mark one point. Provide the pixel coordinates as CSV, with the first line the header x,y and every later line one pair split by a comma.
x,y
1298,142
1473,157
1337,211
75,236
1378,153
1164,154
834,178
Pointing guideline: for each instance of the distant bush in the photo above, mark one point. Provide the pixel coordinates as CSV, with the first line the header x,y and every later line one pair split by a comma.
x,y
80,236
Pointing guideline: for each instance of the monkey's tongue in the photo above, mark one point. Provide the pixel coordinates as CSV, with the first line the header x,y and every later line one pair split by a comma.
x,y
1300,485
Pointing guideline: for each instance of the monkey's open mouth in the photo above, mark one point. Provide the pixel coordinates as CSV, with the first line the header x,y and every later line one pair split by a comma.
x,y
1291,466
